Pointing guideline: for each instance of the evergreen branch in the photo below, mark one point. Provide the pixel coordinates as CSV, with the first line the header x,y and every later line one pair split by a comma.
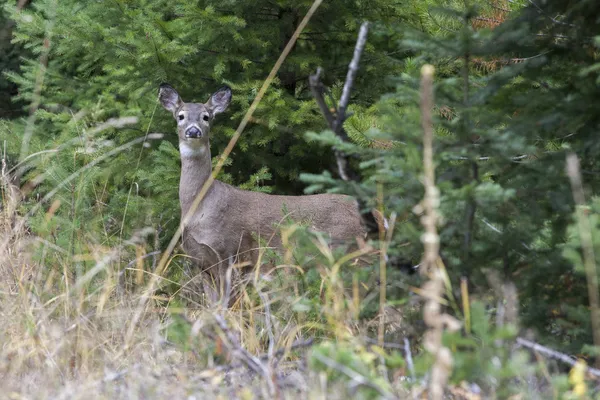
x,y
438,24
340,67
49,195
39,84
221,52
21,166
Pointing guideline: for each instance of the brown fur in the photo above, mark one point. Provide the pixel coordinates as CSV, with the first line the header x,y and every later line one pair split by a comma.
x,y
224,228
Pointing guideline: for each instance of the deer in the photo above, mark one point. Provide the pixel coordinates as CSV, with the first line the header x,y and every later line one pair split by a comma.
x,y
225,227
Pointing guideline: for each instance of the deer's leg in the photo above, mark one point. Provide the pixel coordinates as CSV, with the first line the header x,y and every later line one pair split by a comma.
x,y
212,272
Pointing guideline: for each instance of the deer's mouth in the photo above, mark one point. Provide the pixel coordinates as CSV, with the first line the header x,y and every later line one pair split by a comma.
x,y
193,132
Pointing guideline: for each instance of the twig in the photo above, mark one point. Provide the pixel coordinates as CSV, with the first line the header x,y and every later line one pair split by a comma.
x,y
538,348
409,360
265,357
486,158
359,380
153,253
341,158
336,123
470,218
253,362
541,11
589,258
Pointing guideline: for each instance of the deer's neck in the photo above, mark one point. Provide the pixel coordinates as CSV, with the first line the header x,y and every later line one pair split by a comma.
x,y
196,168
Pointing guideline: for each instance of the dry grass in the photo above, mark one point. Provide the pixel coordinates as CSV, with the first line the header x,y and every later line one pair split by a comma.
x,y
69,338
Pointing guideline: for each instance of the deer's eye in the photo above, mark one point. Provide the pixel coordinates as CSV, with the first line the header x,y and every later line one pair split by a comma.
x,y
205,117
181,117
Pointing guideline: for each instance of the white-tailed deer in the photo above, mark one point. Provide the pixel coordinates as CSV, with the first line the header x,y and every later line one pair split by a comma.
x,y
224,228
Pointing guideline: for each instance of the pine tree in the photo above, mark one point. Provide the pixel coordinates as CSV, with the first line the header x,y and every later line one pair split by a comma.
x,y
107,60
513,97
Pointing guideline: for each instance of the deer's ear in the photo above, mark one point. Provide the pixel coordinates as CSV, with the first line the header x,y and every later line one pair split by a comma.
x,y
169,98
220,100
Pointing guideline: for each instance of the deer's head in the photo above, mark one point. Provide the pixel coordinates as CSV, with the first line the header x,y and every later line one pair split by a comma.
x,y
194,119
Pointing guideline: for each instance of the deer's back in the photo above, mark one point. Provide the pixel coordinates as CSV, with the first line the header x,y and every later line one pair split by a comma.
x,y
230,220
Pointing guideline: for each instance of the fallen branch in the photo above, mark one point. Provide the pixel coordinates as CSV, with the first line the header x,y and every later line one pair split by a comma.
x,y
548,352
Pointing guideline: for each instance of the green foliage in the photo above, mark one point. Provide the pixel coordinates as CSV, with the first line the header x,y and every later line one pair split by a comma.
x,y
483,357
342,362
106,60
502,135
572,318
512,97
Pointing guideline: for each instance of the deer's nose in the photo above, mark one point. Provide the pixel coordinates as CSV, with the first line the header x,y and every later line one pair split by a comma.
x,y
193,133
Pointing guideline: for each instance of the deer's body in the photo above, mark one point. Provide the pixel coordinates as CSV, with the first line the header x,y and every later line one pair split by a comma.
x,y
228,222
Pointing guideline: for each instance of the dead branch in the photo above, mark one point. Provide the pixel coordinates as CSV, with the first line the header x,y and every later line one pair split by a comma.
x,y
352,70
251,361
335,120
548,352
318,90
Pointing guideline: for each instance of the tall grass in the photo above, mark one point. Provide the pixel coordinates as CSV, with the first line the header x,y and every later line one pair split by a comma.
x,y
71,341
